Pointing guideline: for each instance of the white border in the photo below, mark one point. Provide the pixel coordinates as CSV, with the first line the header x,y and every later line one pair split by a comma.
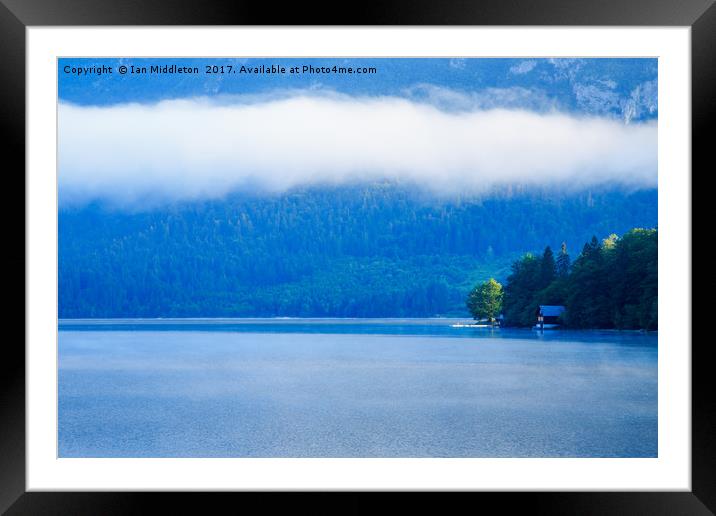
x,y
670,471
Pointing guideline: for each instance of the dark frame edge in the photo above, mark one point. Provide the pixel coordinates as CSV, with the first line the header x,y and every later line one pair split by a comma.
x,y
703,399
12,154
702,498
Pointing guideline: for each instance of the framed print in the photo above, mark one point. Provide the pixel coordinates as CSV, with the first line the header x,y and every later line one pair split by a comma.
x,y
421,253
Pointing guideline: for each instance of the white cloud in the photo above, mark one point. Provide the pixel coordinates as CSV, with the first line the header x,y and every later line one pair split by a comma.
x,y
192,148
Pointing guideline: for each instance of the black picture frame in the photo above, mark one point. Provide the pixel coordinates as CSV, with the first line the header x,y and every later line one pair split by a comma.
x,y
17,15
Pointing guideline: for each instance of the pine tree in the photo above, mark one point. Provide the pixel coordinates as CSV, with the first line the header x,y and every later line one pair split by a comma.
x,y
522,285
548,270
563,262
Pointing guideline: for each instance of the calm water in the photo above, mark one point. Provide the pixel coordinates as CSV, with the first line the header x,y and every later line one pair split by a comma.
x,y
352,388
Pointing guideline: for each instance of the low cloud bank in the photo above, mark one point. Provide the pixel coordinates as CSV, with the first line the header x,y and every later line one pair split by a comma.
x,y
197,148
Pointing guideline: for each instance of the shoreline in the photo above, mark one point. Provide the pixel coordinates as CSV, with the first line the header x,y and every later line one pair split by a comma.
x,y
458,322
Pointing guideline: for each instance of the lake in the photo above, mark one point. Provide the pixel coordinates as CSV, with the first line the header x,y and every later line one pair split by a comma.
x,y
351,388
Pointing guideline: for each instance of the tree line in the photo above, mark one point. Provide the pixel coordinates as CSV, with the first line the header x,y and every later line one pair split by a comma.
x,y
611,284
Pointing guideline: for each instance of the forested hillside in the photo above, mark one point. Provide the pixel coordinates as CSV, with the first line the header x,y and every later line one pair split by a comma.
x,y
377,250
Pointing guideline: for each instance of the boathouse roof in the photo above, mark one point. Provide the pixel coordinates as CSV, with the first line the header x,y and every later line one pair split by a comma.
x,y
551,310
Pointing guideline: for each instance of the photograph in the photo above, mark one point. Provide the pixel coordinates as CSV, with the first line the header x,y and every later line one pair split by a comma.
x,y
357,257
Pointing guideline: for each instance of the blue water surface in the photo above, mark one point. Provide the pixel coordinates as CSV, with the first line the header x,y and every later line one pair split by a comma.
x,y
352,388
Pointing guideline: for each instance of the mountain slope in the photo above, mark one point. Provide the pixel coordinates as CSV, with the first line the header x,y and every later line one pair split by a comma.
x,y
360,250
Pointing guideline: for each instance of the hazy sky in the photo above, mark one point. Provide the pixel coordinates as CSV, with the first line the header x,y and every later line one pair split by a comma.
x,y
448,124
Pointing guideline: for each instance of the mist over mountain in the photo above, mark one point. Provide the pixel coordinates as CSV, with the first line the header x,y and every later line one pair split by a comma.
x,y
203,148
386,193
383,248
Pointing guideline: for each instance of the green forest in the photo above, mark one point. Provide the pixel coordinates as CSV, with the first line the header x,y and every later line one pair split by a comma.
x,y
363,250
611,284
